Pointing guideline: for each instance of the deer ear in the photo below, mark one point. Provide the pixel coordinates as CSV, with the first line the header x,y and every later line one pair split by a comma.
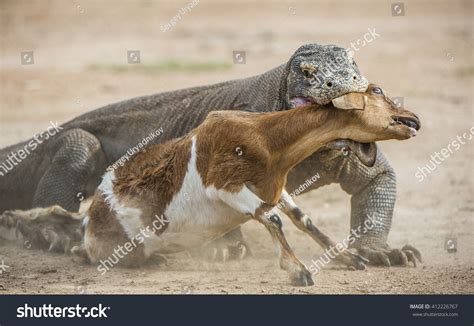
x,y
351,101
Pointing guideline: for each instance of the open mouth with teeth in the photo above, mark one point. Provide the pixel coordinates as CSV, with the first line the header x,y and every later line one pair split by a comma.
x,y
411,123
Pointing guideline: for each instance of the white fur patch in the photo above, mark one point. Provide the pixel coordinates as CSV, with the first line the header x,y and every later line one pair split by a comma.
x,y
85,221
198,215
129,217
195,215
106,187
288,200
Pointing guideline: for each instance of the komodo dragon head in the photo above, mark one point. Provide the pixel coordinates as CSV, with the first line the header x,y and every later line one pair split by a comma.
x,y
317,74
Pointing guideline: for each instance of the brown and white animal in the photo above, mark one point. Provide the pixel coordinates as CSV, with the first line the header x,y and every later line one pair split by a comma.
x,y
232,168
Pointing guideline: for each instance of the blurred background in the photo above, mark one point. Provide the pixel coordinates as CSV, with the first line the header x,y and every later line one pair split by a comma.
x,y
60,59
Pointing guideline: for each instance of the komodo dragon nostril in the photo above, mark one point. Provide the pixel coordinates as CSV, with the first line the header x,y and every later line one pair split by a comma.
x,y
329,84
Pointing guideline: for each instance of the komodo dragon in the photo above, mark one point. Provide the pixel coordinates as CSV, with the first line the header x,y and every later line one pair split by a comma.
x,y
68,166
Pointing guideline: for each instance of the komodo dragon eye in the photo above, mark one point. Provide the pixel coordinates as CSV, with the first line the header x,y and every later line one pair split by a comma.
x,y
308,70
377,90
306,73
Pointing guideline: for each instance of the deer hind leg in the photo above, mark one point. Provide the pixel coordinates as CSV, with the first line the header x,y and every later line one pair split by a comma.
x,y
247,202
304,223
52,228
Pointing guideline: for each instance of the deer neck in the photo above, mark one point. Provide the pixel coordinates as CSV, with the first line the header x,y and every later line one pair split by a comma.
x,y
294,135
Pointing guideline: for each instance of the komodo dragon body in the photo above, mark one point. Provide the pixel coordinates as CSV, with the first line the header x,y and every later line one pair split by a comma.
x,y
67,167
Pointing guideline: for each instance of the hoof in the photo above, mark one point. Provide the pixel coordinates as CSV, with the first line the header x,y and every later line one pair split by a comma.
x,y
302,278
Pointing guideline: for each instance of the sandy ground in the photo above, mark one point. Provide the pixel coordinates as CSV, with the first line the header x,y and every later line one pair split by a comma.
x,y
424,56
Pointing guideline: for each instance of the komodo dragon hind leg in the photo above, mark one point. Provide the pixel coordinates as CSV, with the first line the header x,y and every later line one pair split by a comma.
x,y
76,164
52,228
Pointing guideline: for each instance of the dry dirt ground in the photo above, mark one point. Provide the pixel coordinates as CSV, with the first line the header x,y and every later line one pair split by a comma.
x,y
80,63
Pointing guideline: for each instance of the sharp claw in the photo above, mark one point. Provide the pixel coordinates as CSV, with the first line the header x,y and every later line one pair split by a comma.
x,y
380,258
404,258
376,258
415,251
384,260
398,257
410,256
358,262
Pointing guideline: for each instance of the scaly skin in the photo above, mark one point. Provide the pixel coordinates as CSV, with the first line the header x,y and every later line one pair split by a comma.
x,y
67,167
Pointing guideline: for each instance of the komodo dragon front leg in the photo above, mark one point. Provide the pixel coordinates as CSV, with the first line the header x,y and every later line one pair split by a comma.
x,y
373,191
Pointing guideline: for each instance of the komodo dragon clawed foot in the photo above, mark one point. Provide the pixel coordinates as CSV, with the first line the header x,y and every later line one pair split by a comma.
x,y
52,228
222,252
231,246
387,256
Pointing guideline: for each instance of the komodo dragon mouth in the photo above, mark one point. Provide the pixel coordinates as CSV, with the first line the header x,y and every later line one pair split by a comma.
x,y
301,101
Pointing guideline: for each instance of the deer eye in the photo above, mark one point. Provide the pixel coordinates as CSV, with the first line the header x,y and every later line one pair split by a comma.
x,y
377,90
